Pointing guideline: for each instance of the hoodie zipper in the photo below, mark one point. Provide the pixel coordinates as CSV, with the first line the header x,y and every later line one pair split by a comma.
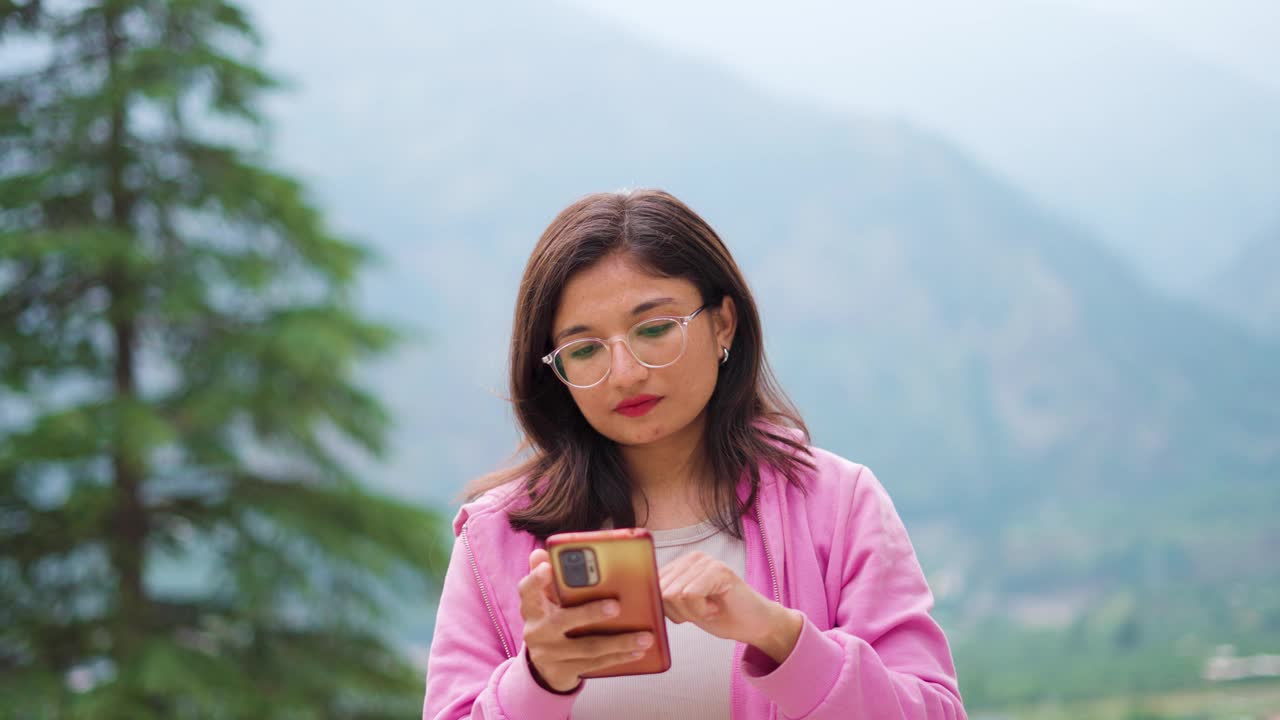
x,y
493,617
773,575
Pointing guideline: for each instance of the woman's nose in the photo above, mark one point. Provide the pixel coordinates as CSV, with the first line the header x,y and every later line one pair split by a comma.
x,y
625,370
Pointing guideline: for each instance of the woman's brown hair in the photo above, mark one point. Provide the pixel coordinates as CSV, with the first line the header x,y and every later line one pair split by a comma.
x,y
575,476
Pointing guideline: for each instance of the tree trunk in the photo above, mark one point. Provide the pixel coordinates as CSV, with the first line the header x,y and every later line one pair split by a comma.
x,y
128,530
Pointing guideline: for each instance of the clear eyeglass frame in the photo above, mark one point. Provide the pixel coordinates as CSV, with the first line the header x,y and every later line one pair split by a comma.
x,y
682,322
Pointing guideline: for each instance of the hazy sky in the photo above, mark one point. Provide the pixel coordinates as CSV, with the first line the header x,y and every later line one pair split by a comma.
x,y
1236,34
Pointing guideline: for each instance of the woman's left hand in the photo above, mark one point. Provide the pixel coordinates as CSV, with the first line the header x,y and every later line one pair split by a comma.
x,y
699,589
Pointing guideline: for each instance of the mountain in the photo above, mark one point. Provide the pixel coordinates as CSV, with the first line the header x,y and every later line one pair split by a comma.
x,y
1249,290
1172,160
1050,427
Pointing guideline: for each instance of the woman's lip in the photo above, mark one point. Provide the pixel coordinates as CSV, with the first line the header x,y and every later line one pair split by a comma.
x,y
635,400
637,406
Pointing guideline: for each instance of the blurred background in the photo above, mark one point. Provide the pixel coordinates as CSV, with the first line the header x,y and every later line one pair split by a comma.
x,y
1020,257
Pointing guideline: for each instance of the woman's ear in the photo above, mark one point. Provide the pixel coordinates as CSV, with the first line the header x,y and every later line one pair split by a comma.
x,y
726,322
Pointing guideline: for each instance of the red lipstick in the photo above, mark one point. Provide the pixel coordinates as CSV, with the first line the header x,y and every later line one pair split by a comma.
x,y
637,405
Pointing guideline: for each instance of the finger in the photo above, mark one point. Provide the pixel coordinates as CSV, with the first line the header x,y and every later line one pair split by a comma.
x,y
591,647
673,612
673,607
538,557
676,567
683,601
541,557
700,590
567,619
681,607
678,573
672,585
583,667
694,562
533,592
679,576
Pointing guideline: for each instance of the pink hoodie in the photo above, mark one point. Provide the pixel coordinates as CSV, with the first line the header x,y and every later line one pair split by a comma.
x,y
835,550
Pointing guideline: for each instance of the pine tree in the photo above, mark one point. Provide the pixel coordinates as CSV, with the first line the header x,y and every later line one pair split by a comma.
x,y
181,534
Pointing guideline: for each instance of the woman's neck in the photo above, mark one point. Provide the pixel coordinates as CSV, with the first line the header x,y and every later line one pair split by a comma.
x,y
667,478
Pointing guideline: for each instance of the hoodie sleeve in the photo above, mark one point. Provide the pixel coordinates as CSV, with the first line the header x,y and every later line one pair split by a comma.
x,y
885,658
468,672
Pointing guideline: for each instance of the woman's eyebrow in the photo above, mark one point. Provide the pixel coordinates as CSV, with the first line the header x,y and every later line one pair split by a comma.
x,y
648,305
643,307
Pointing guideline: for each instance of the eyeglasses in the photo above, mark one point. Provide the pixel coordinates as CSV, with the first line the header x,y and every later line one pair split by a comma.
x,y
654,343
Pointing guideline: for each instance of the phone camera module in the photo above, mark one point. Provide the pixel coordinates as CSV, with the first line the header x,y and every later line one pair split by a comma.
x,y
578,568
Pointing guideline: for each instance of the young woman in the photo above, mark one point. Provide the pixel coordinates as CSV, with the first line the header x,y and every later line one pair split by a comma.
x,y
639,380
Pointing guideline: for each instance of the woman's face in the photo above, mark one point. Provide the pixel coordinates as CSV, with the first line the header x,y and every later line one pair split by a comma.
x,y
635,404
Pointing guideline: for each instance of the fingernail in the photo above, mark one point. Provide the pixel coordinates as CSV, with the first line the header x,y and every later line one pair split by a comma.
x,y
644,641
611,608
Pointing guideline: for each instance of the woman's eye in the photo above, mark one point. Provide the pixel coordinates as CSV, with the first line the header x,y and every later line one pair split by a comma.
x,y
656,330
583,352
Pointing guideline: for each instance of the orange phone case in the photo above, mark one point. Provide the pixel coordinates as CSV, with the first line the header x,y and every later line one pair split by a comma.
x,y
628,573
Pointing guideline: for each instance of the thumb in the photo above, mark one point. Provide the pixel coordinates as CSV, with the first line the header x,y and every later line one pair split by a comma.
x,y
538,558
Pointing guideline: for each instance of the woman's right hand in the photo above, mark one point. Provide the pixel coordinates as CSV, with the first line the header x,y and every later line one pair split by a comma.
x,y
561,661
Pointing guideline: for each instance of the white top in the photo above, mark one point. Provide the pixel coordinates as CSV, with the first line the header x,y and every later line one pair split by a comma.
x,y
697,685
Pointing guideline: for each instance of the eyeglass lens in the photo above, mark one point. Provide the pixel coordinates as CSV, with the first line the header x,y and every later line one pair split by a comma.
x,y
654,343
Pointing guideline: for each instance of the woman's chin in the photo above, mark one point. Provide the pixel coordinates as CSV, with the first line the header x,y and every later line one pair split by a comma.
x,y
644,431
636,433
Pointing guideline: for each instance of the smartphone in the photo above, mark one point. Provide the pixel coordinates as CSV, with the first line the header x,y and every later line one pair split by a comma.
x,y
619,565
